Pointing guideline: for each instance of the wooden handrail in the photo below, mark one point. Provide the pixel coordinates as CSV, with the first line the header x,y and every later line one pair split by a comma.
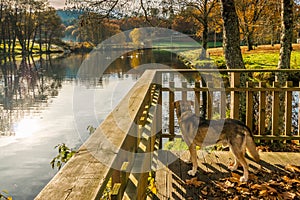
x,y
85,176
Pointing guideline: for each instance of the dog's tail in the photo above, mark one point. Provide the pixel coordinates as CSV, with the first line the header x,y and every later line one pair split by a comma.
x,y
251,147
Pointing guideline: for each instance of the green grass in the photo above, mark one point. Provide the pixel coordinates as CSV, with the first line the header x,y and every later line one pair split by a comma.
x,y
255,60
36,48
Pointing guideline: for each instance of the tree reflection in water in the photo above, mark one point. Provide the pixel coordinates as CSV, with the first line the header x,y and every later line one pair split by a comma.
x,y
26,86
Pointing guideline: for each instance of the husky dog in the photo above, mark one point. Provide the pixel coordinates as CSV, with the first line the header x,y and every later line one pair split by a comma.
x,y
197,131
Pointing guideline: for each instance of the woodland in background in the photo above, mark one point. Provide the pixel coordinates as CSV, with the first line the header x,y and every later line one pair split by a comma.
x,y
25,23
28,22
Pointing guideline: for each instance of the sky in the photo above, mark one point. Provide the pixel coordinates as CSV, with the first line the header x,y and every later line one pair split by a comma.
x,y
57,3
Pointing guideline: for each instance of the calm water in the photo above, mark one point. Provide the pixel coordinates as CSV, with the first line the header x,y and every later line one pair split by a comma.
x,y
37,111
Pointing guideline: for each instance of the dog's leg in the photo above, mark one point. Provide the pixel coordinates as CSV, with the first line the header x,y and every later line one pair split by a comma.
x,y
193,158
235,165
240,158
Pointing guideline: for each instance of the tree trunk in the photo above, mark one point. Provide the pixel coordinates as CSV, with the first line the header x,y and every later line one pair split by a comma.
x,y
286,37
285,52
233,56
231,36
204,39
249,38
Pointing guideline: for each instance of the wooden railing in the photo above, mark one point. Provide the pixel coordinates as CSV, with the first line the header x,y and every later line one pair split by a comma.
x,y
261,103
107,163
116,160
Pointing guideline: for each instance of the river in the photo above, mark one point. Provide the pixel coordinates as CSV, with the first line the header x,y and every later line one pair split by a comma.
x,y
37,112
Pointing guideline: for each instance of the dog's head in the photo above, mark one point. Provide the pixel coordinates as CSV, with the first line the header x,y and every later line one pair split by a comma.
x,y
182,106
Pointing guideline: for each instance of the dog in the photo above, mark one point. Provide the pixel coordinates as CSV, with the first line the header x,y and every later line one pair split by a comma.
x,y
197,131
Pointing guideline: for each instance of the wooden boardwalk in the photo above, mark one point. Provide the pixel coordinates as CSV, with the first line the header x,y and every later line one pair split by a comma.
x,y
171,179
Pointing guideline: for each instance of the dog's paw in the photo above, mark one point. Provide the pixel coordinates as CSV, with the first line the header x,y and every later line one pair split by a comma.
x,y
243,179
187,161
192,172
232,167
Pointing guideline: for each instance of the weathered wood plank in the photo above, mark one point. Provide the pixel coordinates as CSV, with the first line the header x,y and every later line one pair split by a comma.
x,y
210,96
288,109
275,110
223,106
235,101
249,106
171,109
262,110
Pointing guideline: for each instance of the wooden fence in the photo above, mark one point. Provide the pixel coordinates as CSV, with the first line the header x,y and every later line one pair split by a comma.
x,y
270,110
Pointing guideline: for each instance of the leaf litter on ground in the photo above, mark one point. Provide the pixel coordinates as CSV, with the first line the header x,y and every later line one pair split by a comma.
x,y
262,184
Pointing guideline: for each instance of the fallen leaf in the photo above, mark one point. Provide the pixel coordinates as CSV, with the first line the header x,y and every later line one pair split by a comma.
x,y
258,187
271,190
236,198
204,191
253,177
292,168
193,182
289,180
243,190
228,184
263,193
288,195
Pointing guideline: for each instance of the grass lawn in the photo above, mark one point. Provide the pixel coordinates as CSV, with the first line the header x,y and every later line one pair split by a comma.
x,y
264,56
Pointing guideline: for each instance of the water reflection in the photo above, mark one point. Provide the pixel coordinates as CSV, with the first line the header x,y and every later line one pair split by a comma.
x,y
27,85
36,113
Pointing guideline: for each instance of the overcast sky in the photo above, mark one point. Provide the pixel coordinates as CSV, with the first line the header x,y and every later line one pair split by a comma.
x,y
57,3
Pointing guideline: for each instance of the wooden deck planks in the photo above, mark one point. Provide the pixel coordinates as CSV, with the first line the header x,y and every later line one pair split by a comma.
x,y
170,180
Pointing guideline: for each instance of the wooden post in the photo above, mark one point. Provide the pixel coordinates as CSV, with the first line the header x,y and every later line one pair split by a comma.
x,y
184,92
210,100
171,109
262,109
299,114
118,188
223,102
197,98
288,109
235,101
115,177
275,110
249,106
158,77
115,192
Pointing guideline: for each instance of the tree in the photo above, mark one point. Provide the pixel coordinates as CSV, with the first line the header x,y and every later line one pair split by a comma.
x,y
201,11
285,50
93,28
22,21
52,27
232,50
231,36
185,24
136,35
250,13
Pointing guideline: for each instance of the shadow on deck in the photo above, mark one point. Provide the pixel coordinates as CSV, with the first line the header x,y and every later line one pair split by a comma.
x,y
173,180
